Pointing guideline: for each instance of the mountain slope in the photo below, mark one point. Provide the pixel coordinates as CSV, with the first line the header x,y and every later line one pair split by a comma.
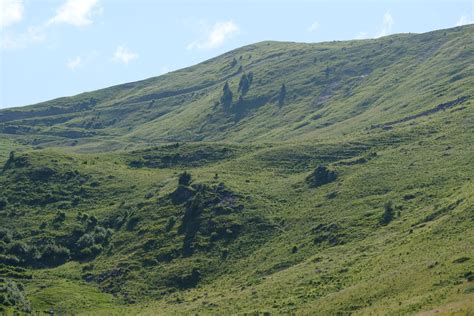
x,y
331,88
347,191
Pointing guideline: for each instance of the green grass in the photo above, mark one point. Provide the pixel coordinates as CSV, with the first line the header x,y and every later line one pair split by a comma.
x,y
265,240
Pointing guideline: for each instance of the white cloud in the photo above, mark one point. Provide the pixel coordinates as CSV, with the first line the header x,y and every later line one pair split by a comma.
x,y
361,35
215,37
124,55
464,20
11,11
387,24
34,34
74,63
76,12
313,27
164,70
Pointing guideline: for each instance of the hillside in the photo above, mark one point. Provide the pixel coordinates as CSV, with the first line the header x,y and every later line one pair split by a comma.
x,y
332,177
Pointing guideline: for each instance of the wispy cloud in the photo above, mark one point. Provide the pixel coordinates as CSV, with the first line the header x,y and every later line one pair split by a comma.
x,y
34,34
313,27
464,20
361,35
164,70
387,24
124,55
216,36
73,63
76,12
11,12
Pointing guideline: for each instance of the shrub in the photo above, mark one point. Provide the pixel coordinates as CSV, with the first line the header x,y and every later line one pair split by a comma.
x,y
19,249
60,217
3,247
54,254
133,222
184,178
170,223
320,176
3,204
294,249
12,294
90,252
101,235
9,260
92,222
388,213
5,235
85,241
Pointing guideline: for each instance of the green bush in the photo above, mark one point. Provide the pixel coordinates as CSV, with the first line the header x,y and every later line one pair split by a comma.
x,y
5,235
170,223
53,254
60,217
85,241
9,260
18,249
388,213
184,178
320,176
12,294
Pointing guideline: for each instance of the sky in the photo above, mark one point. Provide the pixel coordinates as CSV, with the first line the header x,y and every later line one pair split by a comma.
x,y
55,48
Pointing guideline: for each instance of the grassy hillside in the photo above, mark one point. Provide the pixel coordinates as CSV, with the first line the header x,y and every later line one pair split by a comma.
x,y
332,89
338,179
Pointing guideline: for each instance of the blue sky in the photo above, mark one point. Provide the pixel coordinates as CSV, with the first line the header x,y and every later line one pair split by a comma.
x,y
53,48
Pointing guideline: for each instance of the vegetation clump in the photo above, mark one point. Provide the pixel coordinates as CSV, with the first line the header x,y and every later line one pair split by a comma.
x,y
388,213
320,176
12,295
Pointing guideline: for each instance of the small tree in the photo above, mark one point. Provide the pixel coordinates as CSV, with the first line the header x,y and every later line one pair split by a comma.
x,y
227,95
244,84
184,178
388,213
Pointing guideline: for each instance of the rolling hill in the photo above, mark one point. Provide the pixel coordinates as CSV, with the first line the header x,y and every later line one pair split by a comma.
x,y
332,177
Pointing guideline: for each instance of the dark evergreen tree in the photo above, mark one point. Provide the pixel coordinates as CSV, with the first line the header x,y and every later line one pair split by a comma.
x,y
227,96
244,84
388,213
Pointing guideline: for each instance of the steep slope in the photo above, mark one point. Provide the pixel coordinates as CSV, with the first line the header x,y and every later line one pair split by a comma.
x,y
348,191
